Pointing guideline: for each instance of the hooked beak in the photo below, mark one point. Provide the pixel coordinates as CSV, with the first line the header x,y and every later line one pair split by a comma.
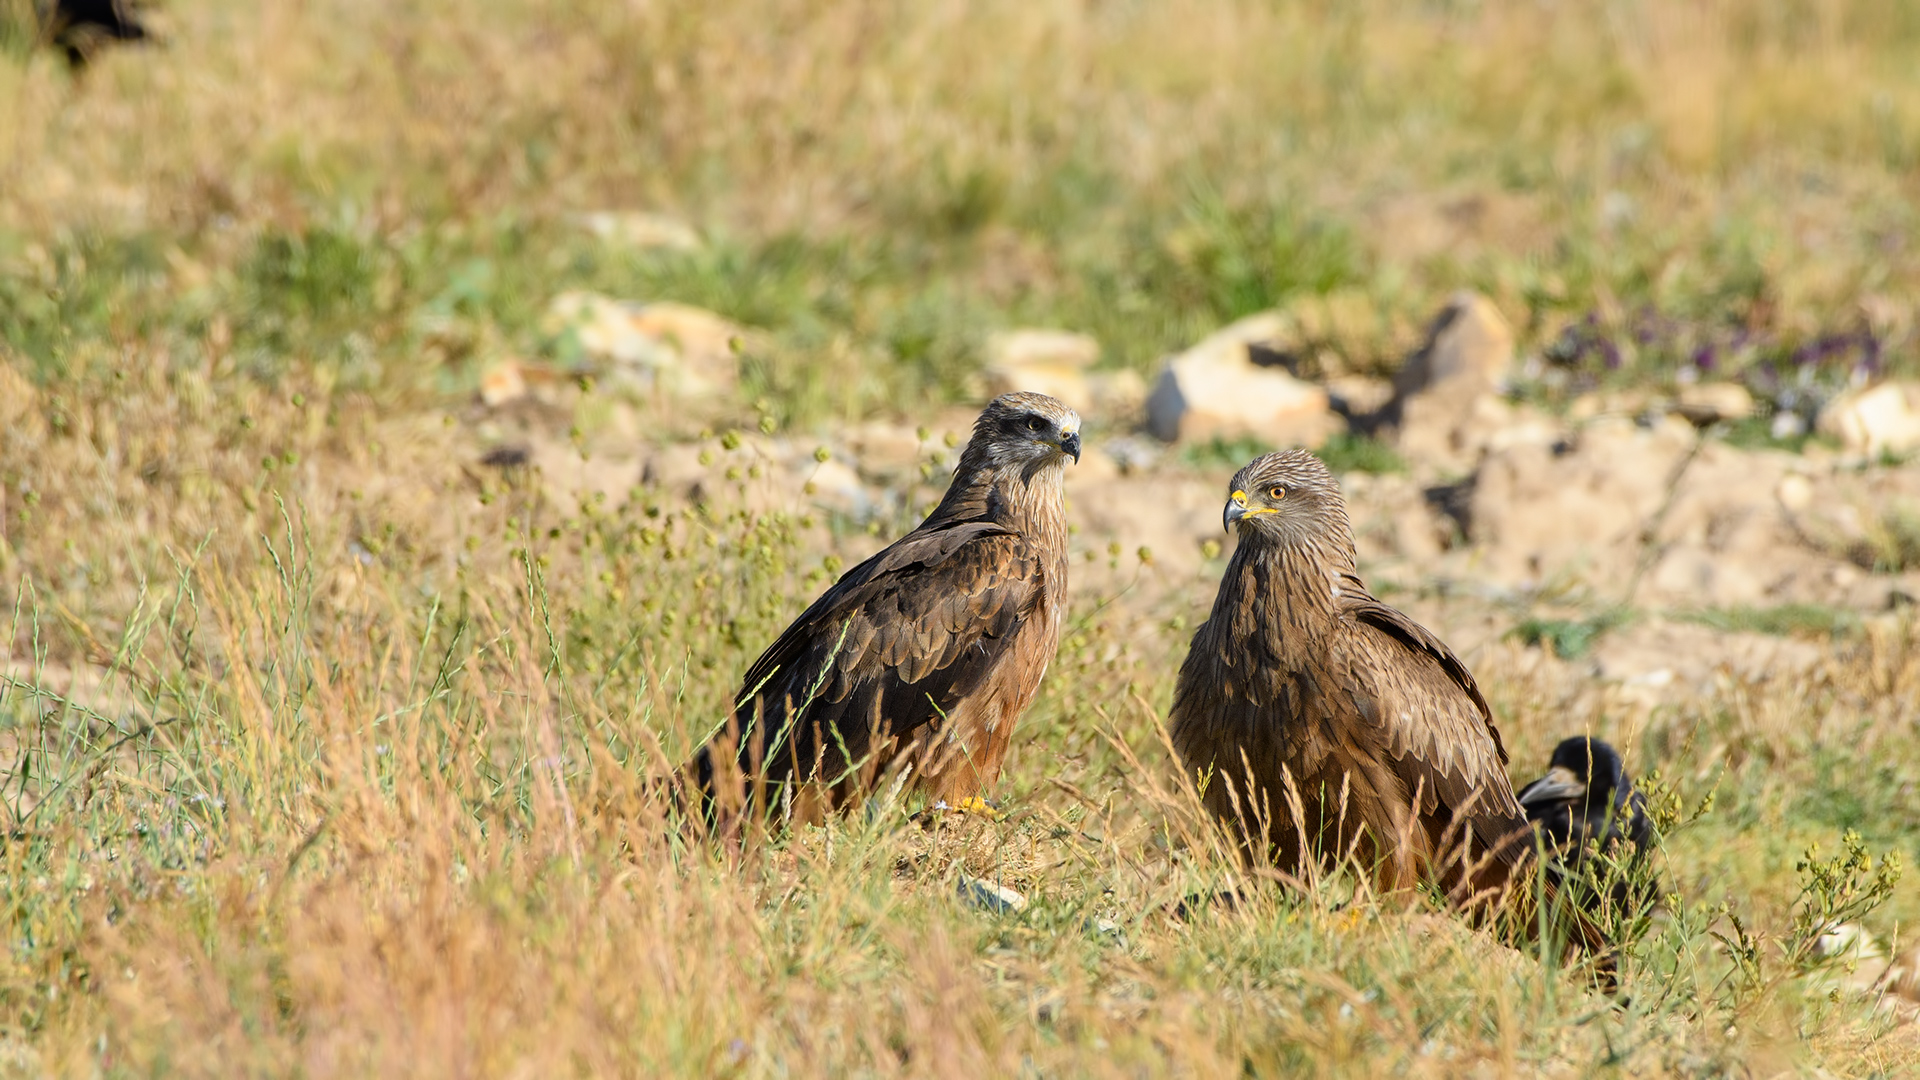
x,y
1236,509
1070,444
1559,783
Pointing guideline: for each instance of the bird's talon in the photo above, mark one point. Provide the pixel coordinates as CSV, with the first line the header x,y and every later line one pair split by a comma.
x,y
974,804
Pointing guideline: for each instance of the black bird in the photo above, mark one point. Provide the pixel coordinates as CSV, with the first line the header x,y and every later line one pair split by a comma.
x,y
1585,804
80,27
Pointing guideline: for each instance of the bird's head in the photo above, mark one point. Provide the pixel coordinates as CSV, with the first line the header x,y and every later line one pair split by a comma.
x,y
1582,769
1024,431
1286,495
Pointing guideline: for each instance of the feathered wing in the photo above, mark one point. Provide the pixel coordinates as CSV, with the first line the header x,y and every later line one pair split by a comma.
x,y
899,643
1432,718
1440,734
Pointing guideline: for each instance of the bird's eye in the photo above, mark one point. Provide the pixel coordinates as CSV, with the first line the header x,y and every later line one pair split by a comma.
x,y
1035,424
1276,492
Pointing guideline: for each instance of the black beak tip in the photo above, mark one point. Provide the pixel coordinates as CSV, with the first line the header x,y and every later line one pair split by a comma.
x,y
1071,444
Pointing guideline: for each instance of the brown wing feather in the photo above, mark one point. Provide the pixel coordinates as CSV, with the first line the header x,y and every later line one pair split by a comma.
x,y
897,644
1434,721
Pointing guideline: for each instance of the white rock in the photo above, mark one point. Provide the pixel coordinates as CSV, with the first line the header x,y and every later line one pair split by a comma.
x,y
1054,348
1068,384
642,229
676,347
1215,389
1468,340
1131,453
1860,962
501,384
1795,492
1439,409
1055,362
1708,403
1117,394
1360,394
1787,425
833,485
1883,418
988,896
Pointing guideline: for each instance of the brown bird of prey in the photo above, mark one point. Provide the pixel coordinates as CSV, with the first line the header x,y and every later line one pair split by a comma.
x,y
917,663
1325,724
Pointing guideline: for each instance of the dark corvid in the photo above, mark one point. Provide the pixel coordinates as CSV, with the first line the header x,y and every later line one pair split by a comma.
x,y
1586,805
916,664
79,28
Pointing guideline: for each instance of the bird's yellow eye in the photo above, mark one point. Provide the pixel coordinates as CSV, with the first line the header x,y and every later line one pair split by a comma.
x,y
1034,424
1276,492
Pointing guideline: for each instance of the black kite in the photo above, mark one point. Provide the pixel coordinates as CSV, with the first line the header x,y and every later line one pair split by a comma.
x,y
1325,724
919,660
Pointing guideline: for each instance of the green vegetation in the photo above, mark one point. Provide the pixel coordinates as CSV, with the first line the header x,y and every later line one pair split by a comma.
x,y
325,749
1344,452
1225,454
1569,639
1142,177
1892,543
1347,452
1811,620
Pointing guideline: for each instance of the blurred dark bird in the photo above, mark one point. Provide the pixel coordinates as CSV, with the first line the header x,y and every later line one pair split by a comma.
x,y
917,663
1325,725
1586,804
80,28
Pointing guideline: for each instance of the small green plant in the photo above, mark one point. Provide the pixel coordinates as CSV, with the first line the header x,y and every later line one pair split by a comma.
x,y
1846,887
1783,620
1568,639
19,29
1223,453
1892,543
1343,453
1348,452
1756,433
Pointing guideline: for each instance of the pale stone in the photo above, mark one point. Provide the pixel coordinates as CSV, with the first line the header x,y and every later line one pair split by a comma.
x,y
1359,394
1215,389
1068,384
1056,348
1117,394
1055,362
834,486
1437,411
1877,419
1536,512
642,229
1712,402
501,384
679,348
1469,342
1795,492
988,896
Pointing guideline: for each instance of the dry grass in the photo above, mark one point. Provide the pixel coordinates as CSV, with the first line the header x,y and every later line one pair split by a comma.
x,y
882,186
358,786
326,753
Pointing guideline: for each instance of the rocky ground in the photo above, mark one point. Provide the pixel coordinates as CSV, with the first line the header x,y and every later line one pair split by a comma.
x,y
1626,554
1628,535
